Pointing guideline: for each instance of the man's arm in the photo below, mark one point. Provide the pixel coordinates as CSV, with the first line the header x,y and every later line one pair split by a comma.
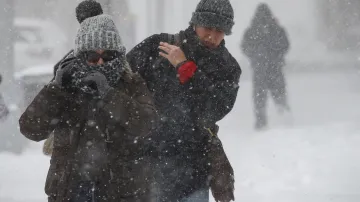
x,y
284,40
249,44
142,55
214,96
212,93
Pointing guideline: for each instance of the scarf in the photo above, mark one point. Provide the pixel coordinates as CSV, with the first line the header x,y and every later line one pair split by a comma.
x,y
194,49
112,70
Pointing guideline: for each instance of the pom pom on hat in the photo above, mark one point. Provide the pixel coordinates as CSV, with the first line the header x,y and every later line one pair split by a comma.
x,y
87,9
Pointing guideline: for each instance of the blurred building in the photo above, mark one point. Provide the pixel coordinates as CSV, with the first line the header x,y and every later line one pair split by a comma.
x,y
6,43
44,30
33,8
62,13
124,19
339,24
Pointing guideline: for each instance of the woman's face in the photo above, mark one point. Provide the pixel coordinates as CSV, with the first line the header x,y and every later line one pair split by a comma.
x,y
99,62
100,57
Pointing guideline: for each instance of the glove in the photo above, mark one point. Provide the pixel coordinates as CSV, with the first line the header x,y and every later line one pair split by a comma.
x,y
97,81
58,80
222,182
222,187
63,73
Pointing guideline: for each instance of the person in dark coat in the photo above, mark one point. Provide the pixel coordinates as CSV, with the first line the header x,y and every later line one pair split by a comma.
x,y
98,111
266,43
4,111
85,9
194,80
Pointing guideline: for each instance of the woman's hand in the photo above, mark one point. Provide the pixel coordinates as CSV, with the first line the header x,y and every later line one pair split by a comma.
x,y
97,81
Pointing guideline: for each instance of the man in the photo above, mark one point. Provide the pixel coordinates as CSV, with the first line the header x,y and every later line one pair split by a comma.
x,y
194,80
266,43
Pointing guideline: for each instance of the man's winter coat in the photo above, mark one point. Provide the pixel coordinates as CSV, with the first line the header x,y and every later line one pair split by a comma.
x,y
189,111
265,42
105,133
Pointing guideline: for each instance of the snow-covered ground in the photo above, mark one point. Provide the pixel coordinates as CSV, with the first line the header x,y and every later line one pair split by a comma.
x,y
313,160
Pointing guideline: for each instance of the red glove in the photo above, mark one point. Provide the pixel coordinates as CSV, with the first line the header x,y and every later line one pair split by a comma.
x,y
186,71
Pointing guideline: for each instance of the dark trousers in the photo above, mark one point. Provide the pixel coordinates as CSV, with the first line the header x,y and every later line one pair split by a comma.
x,y
85,192
176,181
268,79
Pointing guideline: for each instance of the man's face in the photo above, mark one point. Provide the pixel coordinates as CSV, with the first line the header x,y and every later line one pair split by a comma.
x,y
210,37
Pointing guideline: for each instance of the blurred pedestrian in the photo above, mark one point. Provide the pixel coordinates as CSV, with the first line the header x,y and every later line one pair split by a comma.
x,y
4,110
266,43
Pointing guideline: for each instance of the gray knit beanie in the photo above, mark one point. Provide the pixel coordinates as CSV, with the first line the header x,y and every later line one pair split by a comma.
x,y
214,13
98,32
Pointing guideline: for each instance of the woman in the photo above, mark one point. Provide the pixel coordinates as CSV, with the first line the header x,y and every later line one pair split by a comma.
x,y
99,111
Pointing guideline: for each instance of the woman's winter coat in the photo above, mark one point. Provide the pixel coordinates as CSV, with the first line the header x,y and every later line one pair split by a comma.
x,y
97,140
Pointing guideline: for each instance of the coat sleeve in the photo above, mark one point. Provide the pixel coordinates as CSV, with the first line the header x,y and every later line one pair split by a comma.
x,y
44,113
284,41
142,55
248,44
135,111
70,54
213,97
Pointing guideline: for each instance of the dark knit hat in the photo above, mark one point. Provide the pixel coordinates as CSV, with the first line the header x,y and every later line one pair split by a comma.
x,y
214,13
96,32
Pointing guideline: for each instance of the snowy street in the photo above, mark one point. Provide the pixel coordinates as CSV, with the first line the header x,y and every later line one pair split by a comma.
x,y
190,54
314,160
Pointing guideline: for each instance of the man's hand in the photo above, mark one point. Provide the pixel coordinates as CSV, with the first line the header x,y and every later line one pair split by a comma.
x,y
173,53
